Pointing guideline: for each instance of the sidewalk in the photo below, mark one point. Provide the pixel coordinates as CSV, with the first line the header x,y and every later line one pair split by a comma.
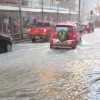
x,y
21,40
16,38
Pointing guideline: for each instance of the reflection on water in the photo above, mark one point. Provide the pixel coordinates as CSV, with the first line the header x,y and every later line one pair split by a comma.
x,y
46,75
74,81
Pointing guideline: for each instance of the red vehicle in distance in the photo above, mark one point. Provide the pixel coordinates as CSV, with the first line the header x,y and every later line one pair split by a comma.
x,y
87,26
65,35
42,30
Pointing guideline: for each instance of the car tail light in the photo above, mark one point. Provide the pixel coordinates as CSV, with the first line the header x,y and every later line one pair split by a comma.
x,y
74,36
29,30
54,35
87,26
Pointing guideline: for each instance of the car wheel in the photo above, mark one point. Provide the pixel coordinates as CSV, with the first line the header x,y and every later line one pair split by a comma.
x,y
47,38
33,40
51,46
93,30
74,47
9,48
2,50
80,41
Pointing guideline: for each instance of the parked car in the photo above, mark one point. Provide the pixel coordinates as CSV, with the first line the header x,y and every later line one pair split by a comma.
x,y
87,26
65,35
42,30
5,43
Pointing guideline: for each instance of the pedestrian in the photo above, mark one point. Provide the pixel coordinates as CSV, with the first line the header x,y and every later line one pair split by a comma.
x,y
14,25
10,28
34,22
4,27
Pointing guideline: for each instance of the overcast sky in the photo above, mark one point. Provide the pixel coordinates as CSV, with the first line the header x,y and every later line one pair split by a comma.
x,y
89,5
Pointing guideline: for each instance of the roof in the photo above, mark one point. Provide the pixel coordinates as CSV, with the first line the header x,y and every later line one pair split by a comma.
x,y
66,23
43,21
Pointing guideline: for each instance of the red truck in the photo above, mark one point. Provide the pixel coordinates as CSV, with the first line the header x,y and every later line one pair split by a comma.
x,y
42,30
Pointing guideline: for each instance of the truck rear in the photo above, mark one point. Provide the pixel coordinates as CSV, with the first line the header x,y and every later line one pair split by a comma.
x,y
42,30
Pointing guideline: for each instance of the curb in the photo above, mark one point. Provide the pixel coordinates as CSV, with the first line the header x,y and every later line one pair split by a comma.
x,y
19,41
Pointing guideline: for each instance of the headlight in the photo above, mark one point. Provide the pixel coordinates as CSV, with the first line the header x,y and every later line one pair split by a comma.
x,y
11,39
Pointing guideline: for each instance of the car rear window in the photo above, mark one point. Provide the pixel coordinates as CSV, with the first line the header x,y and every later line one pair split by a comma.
x,y
65,28
40,25
43,24
85,23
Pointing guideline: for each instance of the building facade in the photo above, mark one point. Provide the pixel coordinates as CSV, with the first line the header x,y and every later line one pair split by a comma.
x,y
97,7
10,14
81,8
69,4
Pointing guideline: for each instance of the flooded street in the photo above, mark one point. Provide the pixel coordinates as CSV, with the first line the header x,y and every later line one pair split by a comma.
x,y
34,72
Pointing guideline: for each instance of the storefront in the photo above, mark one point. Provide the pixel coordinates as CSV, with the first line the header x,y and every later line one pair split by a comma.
x,y
10,20
7,16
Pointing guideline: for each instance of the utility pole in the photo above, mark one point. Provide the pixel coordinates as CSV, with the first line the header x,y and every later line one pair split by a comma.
x,y
69,10
79,10
42,4
20,17
69,15
83,10
57,12
57,1
52,2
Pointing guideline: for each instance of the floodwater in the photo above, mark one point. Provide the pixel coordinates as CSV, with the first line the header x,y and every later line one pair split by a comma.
x,y
34,72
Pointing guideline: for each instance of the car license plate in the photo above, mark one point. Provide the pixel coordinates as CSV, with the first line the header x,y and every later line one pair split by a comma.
x,y
69,42
37,37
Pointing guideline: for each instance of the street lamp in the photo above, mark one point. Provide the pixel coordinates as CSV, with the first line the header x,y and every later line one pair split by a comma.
x,y
52,2
68,7
83,10
79,10
57,2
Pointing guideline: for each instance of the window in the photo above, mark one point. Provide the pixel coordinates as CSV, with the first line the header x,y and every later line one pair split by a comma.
x,y
0,36
25,3
10,2
65,28
85,22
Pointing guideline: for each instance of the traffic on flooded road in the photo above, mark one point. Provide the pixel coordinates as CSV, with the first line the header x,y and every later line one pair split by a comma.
x,y
32,71
49,49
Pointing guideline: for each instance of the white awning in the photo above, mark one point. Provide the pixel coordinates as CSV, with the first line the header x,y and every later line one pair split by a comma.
x,y
16,8
2,7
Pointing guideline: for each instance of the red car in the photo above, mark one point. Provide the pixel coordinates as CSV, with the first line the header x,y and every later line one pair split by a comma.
x,y
65,35
87,26
42,30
